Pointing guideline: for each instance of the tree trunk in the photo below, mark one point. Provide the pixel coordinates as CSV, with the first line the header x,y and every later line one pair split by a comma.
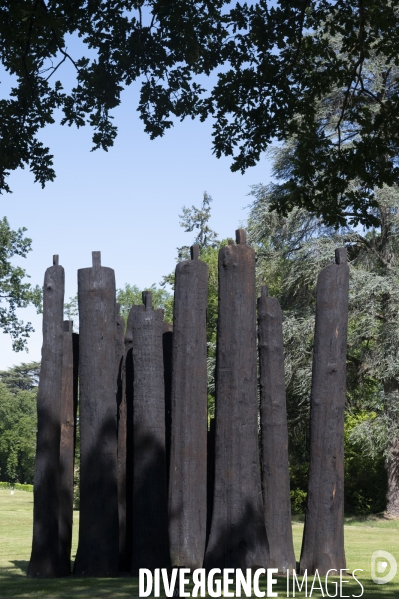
x,y
44,558
275,472
238,535
392,466
323,539
150,504
187,477
98,550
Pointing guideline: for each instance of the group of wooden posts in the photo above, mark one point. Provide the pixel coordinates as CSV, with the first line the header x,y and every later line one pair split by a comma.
x,y
160,488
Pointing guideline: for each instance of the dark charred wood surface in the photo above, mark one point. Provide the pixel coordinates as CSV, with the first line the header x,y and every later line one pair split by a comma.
x,y
120,376
274,435
69,402
210,475
238,534
150,504
128,390
167,342
44,557
98,550
323,540
187,477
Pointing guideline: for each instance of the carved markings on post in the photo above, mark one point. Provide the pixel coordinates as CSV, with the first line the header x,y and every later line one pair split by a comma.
x,y
187,483
98,548
275,472
44,557
323,541
238,535
150,506
69,401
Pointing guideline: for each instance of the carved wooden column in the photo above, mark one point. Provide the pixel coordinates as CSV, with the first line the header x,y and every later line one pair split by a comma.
x,y
120,377
69,403
167,342
44,556
187,481
150,504
98,550
275,472
323,540
238,535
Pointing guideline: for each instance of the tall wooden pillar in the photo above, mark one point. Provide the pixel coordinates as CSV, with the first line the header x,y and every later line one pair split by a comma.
x,y
167,342
44,557
238,535
150,504
128,391
69,402
98,550
323,539
187,477
120,377
275,472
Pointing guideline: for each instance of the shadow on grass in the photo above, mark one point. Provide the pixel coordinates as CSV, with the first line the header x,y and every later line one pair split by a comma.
x,y
18,586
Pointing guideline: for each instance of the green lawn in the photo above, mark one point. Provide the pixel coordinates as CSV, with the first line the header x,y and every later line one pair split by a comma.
x,y
363,536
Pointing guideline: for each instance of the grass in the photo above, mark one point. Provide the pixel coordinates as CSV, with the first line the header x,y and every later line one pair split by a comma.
x,y
363,536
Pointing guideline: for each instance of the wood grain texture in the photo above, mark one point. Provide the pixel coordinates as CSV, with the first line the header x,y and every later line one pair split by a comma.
x,y
187,476
98,549
150,506
323,540
238,535
69,403
274,434
44,557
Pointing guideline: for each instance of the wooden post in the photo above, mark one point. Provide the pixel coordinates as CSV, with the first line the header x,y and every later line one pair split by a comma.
x,y
120,377
187,477
44,556
210,474
167,342
323,539
238,535
128,386
150,504
69,402
275,472
98,548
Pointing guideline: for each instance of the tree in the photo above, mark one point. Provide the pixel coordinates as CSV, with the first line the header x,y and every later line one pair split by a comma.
x,y
291,252
18,389
126,298
14,291
24,377
274,62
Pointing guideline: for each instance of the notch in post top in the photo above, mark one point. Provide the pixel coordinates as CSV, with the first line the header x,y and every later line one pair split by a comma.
x,y
118,309
55,259
230,242
147,299
68,326
241,236
341,256
264,291
194,252
96,258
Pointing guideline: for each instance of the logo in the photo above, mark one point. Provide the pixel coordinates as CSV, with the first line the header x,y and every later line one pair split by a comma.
x,y
379,567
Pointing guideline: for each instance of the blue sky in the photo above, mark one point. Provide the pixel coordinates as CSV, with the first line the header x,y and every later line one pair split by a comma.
x,y
124,203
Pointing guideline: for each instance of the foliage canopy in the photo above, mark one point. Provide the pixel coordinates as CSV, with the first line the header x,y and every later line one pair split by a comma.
x,y
274,63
